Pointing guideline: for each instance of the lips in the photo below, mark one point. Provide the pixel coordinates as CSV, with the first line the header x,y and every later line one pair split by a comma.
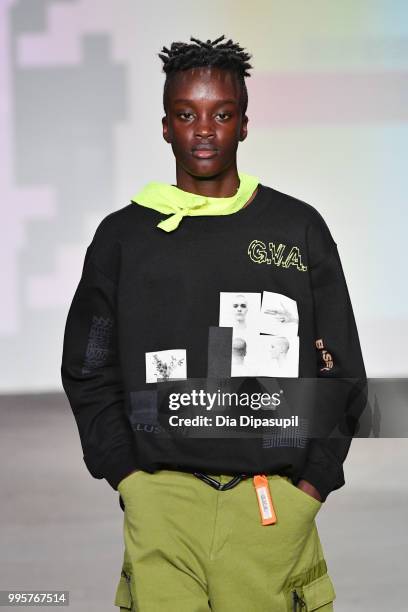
x,y
204,147
203,151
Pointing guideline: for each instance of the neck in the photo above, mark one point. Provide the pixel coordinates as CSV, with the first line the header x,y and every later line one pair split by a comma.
x,y
222,185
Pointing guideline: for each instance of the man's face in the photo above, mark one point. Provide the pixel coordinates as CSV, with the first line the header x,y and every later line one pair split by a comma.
x,y
204,111
240,308
276,347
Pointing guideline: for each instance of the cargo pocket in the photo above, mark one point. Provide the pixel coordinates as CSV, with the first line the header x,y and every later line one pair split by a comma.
x,y
123,597
318,595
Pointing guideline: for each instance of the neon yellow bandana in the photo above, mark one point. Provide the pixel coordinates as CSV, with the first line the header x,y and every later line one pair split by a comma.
x,y
169,199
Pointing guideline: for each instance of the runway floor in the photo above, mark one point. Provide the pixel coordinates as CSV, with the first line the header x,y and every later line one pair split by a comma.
x,y
62,529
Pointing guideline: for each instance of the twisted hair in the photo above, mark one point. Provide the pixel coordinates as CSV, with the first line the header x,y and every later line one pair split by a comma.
x,y
227,55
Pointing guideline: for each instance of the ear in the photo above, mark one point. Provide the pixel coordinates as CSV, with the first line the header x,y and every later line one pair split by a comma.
x,y
244,128
165,125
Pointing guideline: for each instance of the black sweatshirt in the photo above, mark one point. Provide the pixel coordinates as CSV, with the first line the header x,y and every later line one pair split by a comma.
x,y
151,306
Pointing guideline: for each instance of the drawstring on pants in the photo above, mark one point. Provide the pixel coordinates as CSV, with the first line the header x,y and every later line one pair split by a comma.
x,y
217,484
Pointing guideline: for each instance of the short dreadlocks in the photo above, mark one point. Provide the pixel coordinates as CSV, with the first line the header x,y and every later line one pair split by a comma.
x,y
227,55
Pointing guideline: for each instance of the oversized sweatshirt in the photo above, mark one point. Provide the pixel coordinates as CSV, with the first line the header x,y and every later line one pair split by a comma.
x,y
257,293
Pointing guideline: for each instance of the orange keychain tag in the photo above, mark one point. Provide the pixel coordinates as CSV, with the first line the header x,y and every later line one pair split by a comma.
x,y
263,494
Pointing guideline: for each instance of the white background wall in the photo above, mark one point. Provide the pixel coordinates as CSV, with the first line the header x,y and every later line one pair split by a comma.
x,y
80,123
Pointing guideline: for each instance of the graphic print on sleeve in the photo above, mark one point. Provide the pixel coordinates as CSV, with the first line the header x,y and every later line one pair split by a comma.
x,y
99,341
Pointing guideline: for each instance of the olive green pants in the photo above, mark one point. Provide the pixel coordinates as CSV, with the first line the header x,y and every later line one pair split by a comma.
x,y
191,548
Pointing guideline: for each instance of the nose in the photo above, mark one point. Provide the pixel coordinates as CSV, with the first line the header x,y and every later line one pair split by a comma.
x,y
204,128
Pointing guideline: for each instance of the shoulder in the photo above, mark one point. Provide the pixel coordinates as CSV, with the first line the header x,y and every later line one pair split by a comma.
x,y
112,231
301,219
294,208
125,224
116,222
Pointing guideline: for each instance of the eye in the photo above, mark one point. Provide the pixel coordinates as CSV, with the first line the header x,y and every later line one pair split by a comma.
x,y
226,115
185,113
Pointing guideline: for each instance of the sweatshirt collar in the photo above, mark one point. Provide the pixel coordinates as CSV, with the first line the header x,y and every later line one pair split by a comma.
x,y
173,201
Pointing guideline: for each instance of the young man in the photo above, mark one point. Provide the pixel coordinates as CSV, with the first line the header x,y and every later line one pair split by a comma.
x,y
203,528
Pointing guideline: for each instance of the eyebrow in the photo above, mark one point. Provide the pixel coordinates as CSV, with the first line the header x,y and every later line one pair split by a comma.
x,y
216,102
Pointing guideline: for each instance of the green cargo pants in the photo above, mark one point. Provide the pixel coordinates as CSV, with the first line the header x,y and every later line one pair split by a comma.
x,y
192,548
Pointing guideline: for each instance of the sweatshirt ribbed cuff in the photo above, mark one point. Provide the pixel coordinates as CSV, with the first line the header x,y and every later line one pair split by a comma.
x,y
119,466
321,479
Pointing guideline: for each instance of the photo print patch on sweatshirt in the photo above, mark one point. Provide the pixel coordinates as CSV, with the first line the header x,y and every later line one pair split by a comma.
x,y
166,365
265,338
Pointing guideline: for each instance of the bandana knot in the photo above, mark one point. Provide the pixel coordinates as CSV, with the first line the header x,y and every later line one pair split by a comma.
x,y
173,201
